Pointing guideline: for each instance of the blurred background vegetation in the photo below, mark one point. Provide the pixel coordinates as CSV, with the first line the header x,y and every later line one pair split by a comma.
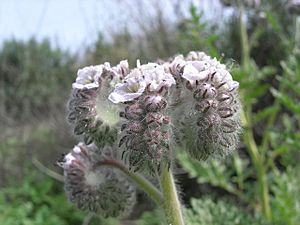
x,y
259,184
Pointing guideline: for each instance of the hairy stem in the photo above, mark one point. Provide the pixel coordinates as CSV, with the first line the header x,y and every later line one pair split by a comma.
x,y
257,159
141,181
171,204
259,167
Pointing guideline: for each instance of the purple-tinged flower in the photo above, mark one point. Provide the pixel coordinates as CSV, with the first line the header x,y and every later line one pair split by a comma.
x,y
118,72
156,77
88,77
150,76
197,56
131,88
192,74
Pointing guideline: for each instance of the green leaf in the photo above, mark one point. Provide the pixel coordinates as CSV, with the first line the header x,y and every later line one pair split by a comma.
x,y
213,171
287,101
286,200
207,212
155,217
253,95
264,113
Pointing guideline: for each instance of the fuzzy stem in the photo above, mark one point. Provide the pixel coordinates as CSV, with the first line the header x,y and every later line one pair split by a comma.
x,y
257,159
171,204
259,167
142,182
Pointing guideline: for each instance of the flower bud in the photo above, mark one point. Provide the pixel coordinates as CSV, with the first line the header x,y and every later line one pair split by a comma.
x,y
204,90
155,103
135,126
155,118
134,112
95,188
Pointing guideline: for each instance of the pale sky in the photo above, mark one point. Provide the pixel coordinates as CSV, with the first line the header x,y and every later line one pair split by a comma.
x,y
71,24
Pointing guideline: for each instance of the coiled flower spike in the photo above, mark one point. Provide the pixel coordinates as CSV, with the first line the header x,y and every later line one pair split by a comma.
x,y
210,125
94,188
146,132
89,111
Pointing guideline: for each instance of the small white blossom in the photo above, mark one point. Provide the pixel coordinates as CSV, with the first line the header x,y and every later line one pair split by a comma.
x,y
88,77
77,149
156,77
233,85
132,87
176,65
118,72
200,67
197,56
150,75
214,63
69,158
179,60
191,74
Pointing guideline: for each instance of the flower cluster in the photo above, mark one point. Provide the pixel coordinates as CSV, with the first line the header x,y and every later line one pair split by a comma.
x,y
195,93
93,187
142,113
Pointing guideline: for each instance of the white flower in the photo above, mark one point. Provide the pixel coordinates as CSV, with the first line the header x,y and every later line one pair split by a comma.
x,y
88,77
174,67
199,67
132,87
156,77
68,159
150,75
221,76
214,63
197,56
178,61
192,74
118,72
232,85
